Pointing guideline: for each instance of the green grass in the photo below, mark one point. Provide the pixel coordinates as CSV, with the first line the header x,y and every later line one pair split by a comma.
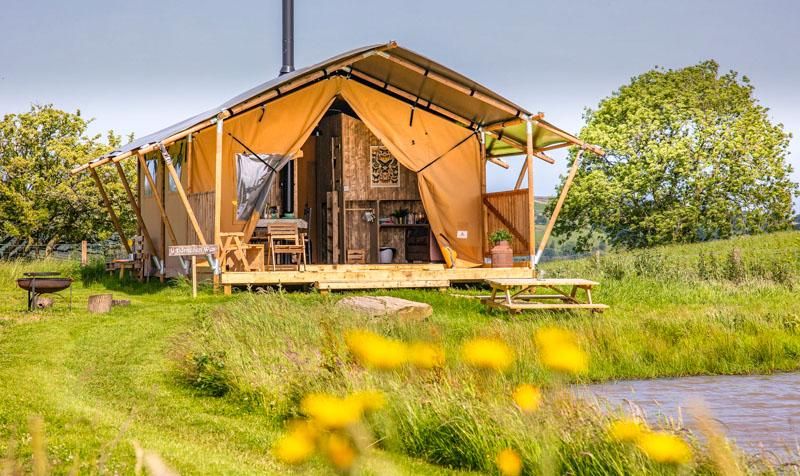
x,y
103,381
208,383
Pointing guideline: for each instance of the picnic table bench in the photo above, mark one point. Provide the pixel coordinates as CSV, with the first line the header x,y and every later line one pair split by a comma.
x,y
520,294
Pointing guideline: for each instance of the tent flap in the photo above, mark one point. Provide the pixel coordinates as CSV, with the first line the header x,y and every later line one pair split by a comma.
x,y
450,187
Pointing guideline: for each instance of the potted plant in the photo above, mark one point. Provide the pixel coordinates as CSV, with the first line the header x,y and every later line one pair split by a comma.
x,y
502,253
400,215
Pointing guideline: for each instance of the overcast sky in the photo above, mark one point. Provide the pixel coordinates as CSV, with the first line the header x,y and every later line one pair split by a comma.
x,y
139,66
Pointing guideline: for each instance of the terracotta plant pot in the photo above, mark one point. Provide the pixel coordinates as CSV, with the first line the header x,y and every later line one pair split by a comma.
x,y
502,255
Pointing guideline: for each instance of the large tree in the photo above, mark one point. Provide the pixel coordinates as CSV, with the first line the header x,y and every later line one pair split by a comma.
x,y
40,202
691,156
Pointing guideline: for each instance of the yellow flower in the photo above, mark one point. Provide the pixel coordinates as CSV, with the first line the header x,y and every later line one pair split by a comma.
x,y
340,452
375,351
665,448
527,397
487,353
558,350
425,356
553,336
627,430
369,400
294,448
509,463
331,412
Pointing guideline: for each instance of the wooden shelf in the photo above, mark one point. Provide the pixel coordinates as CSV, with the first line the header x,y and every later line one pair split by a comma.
x,y
404,225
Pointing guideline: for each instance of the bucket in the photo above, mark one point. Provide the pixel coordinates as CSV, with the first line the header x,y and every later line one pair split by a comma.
x,y
386,255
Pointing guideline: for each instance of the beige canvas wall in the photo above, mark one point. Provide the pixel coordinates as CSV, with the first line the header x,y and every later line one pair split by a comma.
x,y
447,156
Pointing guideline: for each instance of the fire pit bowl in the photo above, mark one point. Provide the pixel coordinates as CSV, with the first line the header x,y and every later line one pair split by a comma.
x,y
43,283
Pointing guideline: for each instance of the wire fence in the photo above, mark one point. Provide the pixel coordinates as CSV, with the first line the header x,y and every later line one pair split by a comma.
x,y
13,250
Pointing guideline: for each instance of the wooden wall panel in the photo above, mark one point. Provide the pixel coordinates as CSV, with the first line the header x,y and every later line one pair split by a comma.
x,y
512,206
203,206
356,142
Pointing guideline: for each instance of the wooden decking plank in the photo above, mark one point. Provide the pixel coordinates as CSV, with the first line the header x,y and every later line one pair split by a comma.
x,y
546,306
516,282
344,285
342,273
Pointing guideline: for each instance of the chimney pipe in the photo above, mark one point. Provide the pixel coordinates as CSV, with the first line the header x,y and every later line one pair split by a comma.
x,y
288,37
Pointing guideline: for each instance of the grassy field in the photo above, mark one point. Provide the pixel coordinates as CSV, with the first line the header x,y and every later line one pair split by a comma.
x,y
210,384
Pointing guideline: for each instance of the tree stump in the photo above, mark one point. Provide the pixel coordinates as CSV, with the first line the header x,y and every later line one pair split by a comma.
x,y
42,302
100,303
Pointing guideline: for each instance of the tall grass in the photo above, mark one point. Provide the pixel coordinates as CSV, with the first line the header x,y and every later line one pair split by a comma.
x,y
675,311
273,349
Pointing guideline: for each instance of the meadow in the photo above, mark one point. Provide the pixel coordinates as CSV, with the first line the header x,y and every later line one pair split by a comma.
x,y
213,385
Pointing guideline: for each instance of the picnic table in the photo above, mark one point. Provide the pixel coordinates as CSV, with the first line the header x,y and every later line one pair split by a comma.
x,y
521,294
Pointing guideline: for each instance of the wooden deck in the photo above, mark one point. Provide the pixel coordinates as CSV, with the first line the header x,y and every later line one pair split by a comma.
x,y
372,276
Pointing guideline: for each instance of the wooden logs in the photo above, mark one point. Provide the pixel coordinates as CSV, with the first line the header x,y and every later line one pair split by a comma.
x,y
100,303
120,302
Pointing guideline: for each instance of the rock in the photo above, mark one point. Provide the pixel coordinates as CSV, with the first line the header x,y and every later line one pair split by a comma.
x,y
100,303
387,306
120,302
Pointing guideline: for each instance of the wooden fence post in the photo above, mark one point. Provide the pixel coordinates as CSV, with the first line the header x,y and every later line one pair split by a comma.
x,y
84,253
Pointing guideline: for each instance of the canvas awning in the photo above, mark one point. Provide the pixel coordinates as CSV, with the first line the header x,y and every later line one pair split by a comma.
x,y
421,82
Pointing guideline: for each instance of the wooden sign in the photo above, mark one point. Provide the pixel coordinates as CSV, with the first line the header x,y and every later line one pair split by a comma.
x,y
192,250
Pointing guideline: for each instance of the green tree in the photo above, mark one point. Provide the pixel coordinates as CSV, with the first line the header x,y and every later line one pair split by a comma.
x,y
691,156
40,202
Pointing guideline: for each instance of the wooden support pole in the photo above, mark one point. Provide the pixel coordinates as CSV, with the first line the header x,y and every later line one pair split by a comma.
x,y
484,213
164,218
569,137
531,198
495,160
84,253
135,206
521,177
189,161
218,184
194,276
110,209
560,203
182,194
218,200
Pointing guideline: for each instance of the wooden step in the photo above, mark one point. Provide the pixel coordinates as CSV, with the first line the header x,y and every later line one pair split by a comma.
x,y
381,284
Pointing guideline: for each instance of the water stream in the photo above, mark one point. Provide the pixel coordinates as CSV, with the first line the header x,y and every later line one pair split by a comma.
x,y
758,412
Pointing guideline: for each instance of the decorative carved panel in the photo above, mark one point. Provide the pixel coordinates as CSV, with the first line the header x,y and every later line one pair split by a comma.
x,y
385,170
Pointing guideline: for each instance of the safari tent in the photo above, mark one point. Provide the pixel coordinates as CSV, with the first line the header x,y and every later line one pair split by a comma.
x,y
378,156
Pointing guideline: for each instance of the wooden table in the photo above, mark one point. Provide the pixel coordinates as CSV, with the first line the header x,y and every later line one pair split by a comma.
x,y
263,222
520,294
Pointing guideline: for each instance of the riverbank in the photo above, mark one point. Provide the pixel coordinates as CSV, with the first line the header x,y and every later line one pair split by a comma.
x,y
760,413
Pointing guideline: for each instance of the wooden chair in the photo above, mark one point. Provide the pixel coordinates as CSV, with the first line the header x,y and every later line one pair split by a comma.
x,y
285,239
237,254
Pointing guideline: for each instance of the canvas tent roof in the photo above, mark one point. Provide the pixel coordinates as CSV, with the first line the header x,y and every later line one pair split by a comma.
x,y
399,71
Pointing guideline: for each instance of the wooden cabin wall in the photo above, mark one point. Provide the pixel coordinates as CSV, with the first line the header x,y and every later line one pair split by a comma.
x,y
328,179
356,142
359,195
307,189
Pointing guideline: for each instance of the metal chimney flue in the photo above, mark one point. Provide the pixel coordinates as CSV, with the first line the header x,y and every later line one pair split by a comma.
x,y
288,37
